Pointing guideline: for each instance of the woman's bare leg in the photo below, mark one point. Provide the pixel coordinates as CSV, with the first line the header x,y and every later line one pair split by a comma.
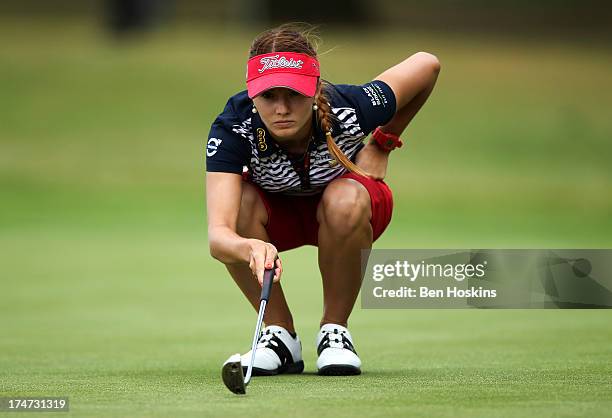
x,y
344,230
252,219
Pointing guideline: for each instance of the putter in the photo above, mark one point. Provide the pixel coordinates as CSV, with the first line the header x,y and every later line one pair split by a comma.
x,y
231,373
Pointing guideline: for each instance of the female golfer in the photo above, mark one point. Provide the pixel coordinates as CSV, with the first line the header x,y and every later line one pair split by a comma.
x,y
287,166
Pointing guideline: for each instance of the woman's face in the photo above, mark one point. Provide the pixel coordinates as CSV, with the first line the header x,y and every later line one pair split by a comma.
x,y
286,113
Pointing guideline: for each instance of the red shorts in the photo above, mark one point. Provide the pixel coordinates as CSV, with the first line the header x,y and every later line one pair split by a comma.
x,y
292,220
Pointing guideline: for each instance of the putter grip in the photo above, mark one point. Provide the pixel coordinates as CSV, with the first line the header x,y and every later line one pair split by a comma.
x,y
267,284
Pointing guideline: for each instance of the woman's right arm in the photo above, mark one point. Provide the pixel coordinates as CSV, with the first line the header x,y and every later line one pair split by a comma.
x,y
223,195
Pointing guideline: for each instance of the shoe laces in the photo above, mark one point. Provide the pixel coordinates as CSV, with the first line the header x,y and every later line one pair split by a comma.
x,y
336,338
265,339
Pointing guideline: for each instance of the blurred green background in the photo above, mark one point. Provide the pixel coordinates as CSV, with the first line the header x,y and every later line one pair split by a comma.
x,y
109,295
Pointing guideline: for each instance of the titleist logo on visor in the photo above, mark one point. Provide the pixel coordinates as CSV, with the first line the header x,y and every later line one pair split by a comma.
x,y
277,61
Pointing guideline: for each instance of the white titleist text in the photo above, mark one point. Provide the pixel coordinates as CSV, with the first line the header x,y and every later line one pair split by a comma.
x,y
279,62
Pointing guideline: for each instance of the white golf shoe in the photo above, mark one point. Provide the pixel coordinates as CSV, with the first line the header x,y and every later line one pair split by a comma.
x,y
337,355
277,352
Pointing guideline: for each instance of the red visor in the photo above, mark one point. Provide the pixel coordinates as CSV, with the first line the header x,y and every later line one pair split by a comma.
x,y
299,72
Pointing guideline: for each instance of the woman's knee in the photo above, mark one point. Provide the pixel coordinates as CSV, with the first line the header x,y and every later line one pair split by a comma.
x,y
345,206
252,209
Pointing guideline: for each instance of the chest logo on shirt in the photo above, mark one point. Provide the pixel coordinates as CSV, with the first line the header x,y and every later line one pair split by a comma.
x,y
212,146
261,139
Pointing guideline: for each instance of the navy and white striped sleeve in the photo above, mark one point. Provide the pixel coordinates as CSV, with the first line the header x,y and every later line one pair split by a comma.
x,y
374,102
226,151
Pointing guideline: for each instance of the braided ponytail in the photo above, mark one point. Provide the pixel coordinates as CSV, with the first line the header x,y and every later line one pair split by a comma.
x,y
324,115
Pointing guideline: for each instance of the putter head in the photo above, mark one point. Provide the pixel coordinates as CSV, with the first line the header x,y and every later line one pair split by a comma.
x,y
233,376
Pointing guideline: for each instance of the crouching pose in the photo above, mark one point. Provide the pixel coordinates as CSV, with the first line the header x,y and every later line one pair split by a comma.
x,y
287,166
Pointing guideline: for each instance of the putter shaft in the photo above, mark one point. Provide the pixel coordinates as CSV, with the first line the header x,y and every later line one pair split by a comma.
x,y
262,309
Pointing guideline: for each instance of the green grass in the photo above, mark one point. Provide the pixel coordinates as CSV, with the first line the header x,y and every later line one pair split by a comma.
x,y
108,294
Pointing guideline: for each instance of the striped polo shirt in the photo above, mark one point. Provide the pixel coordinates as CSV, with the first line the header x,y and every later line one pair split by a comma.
x,y
239,141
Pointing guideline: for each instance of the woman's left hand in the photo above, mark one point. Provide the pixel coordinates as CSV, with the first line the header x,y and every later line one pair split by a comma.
x,y
373,159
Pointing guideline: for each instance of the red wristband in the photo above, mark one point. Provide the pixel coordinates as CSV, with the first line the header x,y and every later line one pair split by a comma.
x,y
388,142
